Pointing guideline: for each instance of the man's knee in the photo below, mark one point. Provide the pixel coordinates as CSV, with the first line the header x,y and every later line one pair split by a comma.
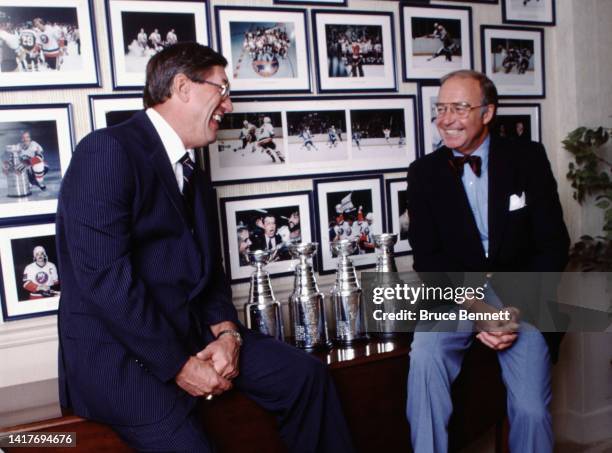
x,y
532,412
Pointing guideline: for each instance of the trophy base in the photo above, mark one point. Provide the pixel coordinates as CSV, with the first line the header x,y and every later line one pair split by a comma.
x,y
383,335
319,347
352,342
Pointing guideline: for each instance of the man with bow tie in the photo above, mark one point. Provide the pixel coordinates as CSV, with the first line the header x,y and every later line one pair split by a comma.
x,y
147,325
482,203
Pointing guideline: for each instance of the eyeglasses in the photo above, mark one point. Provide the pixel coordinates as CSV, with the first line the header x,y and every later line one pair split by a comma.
x,y
461,109
224,88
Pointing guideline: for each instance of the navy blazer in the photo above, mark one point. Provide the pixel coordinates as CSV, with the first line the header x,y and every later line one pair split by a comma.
x,y
139,286
443,232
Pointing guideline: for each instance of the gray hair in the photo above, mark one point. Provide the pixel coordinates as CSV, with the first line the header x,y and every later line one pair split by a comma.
x,y
487,87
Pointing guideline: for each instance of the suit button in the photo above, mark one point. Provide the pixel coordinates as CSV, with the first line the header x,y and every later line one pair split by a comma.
x,y
489,274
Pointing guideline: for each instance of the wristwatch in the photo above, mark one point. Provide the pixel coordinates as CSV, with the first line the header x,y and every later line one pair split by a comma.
x,y
233,333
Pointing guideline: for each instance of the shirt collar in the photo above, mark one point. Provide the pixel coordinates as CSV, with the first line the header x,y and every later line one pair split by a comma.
x,y
170,139
482,151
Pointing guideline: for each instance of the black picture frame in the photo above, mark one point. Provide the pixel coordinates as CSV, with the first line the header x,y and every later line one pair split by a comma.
x,y
85,48
411,73
102,106
231,161
274,204
427,132
510,15
396,219
344,84
341,188
507,87
124,79
520,112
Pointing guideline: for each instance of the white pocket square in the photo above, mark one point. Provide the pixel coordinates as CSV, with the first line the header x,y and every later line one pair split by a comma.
x,y
517,202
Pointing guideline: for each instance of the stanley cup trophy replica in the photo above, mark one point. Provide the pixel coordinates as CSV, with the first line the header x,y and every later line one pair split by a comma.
x,y
346,295
306,303
385,264
263,312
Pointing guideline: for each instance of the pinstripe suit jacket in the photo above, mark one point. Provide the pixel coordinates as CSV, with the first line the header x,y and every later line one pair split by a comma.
x,y
138,285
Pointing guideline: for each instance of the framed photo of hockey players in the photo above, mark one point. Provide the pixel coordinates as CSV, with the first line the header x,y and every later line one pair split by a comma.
x,y
138,29
348,208
285,138
267,49
355,51
431,139
397,212
518,121
36,143
47,45
528,12
31,283
513,58
436,40
107,110
264,222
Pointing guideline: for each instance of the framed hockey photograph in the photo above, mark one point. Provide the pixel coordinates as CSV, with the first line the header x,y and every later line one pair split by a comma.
x,y
355,51
436,40
138,29
107,110
431,139
36,143
31,282
264,222
518,121
513,58
267,49
348,208
528,12
46,45
288,138
397,213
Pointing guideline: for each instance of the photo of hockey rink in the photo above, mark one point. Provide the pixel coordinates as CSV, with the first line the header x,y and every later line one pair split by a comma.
x,y
257,148
15,163
512,61
138,51
263,50
436,43
379,133
355,50
317,136
59,29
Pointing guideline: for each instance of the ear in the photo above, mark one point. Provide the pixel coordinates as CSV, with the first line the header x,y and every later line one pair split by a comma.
x,y
488,114
181,87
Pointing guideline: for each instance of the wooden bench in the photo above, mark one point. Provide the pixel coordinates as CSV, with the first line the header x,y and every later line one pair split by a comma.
x,y
371,382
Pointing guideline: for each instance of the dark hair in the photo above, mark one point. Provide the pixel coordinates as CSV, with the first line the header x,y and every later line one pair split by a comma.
x,y
488,91
189,58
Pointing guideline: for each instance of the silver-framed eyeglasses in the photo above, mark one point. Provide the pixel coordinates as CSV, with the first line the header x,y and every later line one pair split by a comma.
x,y
461,109
224,88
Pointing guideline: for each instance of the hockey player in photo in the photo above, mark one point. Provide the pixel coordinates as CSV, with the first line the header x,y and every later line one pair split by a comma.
x,y
306,137
357,134
448,46
141,39
156,40
32,157
265,140
29,51
356,61
387,134
332,137
171,37
40,278
49,37
247,135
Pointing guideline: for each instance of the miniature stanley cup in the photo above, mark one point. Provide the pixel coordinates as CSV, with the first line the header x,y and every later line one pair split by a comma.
x,y
385,262
15,171
346,295
306,303
263,312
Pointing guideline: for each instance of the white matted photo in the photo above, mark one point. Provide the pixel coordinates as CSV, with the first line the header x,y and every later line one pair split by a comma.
x,y
47,44
267,48
355,51
348,208
432,140
518,121
138,29
30,277
528,12
436,40
36,145
397,212
264,222
111,109
513,58
284,138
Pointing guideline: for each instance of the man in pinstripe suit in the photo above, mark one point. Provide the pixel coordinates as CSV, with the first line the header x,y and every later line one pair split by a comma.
x,y
146,318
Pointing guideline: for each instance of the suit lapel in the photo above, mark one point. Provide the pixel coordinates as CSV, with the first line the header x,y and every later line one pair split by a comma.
x,y
500,188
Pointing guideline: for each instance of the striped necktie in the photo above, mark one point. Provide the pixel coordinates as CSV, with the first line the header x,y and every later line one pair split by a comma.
x,y
188,189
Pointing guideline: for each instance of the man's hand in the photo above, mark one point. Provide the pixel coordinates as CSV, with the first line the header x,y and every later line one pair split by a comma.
x,y
497,341
224,352
199,378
